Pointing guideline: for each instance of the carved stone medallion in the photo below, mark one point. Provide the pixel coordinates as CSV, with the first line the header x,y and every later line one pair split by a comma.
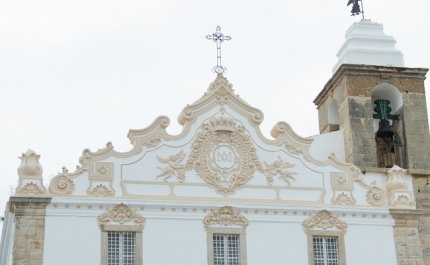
x,y
223,155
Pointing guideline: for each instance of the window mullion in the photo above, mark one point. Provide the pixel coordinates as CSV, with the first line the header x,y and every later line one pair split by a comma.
x,y
120,248
225,249
324,249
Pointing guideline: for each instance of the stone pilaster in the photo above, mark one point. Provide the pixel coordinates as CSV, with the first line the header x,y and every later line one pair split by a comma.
x,y
29,231
407,238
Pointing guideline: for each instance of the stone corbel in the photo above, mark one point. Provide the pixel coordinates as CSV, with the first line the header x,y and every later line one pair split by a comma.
x,y
30,172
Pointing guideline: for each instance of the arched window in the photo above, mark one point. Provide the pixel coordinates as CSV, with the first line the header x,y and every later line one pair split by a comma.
x,y
333,116
389,150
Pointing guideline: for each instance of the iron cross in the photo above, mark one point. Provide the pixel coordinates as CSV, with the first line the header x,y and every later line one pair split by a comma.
x,y
218,37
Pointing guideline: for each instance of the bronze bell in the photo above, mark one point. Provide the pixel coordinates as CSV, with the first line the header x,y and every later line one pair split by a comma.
x,y
355,9
384,130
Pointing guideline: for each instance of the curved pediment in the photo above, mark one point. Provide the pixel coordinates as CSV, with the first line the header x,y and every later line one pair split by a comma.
x,y
220,155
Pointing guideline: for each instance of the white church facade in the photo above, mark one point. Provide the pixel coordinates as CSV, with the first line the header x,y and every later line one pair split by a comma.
x,y
222,193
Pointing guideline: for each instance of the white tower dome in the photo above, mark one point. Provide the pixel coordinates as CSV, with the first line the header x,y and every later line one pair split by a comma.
x,y
366,43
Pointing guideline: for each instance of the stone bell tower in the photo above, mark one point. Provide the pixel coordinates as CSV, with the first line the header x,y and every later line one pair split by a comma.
x,y
371,69
380,105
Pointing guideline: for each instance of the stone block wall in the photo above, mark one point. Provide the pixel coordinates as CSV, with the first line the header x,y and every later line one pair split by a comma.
x,y
416,129
29,231
356,120
352,87
406,237
412,227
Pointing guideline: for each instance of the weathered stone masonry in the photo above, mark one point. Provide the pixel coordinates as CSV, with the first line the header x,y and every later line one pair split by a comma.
x,y
29,233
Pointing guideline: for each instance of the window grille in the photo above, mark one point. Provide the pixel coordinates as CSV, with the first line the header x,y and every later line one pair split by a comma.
x,y
226,249
325,250
121,248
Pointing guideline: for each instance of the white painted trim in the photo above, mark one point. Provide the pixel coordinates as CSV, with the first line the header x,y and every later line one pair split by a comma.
x,y
7,237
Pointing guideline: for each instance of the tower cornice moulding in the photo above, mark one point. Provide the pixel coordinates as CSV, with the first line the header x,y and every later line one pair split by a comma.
x,y
368,70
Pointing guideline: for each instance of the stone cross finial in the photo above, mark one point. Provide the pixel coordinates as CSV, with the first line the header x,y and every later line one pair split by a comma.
x,y
218,37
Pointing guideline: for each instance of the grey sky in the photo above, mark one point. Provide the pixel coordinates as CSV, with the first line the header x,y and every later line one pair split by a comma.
x,y
77,74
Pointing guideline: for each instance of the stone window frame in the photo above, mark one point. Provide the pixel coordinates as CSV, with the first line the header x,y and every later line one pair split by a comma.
x,y
327,233
227,230
121,228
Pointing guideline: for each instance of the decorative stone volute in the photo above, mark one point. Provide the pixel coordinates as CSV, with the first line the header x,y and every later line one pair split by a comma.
x,y
30,166
396,179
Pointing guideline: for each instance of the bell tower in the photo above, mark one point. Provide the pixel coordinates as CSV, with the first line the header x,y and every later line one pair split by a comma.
x,y
380,106
378,103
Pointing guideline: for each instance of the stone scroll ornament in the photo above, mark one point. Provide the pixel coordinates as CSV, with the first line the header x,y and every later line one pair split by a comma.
x,y
375,195
121,213
62,184
225,216
324,220
225,158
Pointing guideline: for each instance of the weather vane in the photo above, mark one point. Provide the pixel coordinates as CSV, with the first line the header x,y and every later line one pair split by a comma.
x,y
218,37
355,11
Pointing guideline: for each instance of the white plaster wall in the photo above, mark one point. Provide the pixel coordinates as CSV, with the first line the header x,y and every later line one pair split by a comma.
x,y
71,240
370,245
174,241
276,243
72,235
7,237
327,143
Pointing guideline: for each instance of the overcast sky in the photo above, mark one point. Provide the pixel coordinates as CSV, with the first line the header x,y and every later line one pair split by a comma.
x,y
77,74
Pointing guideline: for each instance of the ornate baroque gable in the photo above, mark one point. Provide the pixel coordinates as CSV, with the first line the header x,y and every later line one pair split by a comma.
x,y
221,156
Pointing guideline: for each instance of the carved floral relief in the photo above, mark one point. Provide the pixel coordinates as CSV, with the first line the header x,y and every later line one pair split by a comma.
x,y
403,200
31,188
101,190
293,149
343,199
121,213
225,216
324,220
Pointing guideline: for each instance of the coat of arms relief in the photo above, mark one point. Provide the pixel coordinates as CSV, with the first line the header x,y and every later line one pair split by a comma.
x,y
223,154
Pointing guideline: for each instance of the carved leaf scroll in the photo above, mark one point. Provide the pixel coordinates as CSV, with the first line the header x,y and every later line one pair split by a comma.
x,y
225,216
61,185
121,213
324,220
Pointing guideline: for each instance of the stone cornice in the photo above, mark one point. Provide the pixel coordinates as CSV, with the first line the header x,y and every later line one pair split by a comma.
x,y
368,70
